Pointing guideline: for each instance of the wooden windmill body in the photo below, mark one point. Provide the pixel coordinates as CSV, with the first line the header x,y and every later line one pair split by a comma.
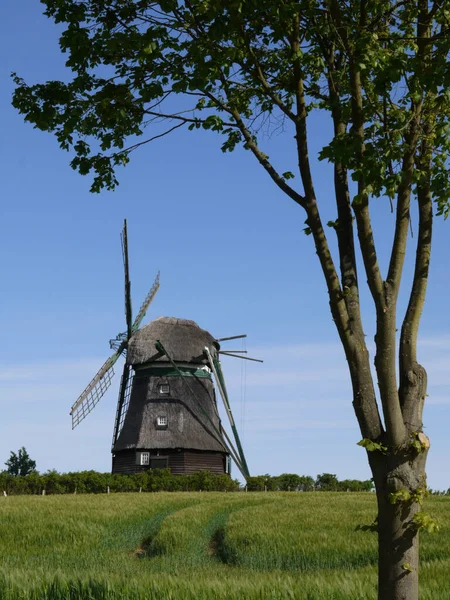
x,y
167,423
167,414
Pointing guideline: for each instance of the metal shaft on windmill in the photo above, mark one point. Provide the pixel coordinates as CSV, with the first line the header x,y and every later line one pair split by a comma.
x,y
236,353
233,337
226,353
220,381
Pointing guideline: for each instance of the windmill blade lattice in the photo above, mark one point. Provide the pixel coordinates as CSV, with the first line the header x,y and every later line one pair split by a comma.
x,y
124,400
148,300
94,391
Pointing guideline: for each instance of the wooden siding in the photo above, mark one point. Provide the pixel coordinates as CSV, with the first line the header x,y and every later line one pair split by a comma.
x,y
125,463
180,462
198,461
176,463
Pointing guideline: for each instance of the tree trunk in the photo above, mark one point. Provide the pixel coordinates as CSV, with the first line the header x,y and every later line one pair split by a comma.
x,y
398,551
398,534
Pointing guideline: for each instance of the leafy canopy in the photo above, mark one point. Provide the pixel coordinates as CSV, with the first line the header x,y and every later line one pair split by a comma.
x,y
20,463
235,67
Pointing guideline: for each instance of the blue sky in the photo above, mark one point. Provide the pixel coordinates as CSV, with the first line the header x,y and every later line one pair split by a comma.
x,y
232,257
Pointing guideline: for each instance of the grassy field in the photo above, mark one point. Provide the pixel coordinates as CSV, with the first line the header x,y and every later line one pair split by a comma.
x,y
198,546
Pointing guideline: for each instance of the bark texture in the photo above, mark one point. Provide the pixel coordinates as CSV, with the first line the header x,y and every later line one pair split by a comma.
x,y
398,533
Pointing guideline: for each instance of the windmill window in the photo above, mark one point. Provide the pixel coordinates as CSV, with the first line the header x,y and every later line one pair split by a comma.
x,y
145,458
161,462
164,389
161,422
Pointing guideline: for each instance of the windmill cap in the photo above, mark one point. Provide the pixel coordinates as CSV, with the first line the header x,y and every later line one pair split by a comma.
x,y
183,340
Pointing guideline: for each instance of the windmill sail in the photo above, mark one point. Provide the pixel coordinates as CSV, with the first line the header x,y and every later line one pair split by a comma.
x,y
148,300
128,314
124,401
220,381
102,380
94,391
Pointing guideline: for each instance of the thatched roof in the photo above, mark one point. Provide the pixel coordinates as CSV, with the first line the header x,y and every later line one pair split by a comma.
x,y
187,427
184,340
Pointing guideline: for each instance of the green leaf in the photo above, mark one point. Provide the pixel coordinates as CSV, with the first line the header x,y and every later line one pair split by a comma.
x,y
400,496
422,520
372,446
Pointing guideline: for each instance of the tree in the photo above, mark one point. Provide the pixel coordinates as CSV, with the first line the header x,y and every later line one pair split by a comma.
x,y
379,70
354,485
327,482
288,482
20,463
306,483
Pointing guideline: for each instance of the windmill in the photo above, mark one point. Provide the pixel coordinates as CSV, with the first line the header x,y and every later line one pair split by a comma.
x,y
167,413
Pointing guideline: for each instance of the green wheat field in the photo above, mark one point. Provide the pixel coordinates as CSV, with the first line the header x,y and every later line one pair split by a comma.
x,y
196,546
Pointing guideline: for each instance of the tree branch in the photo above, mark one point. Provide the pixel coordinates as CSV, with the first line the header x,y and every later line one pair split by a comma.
x,y
155,137
404,193
411,373
361,206
413,380
344,227
337,302
183,119
403,204
258,72
385,336
264,161
361,203
364,398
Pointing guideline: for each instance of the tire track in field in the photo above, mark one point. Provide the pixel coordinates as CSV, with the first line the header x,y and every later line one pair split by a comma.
x,y
218,548
263,549
192,534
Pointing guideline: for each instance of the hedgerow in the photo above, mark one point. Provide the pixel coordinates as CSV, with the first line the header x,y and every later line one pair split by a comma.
x,y
92,482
